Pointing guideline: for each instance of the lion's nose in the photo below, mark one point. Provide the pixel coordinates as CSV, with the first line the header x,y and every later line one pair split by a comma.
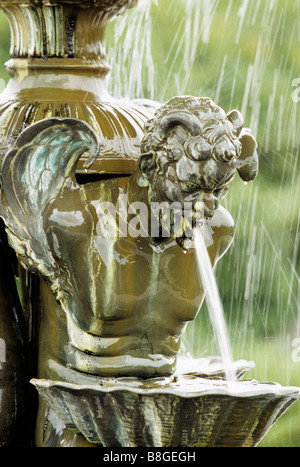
x,y
210,204
206,205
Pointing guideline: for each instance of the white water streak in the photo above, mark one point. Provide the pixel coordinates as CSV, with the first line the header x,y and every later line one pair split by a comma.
x,y
214,304
130,56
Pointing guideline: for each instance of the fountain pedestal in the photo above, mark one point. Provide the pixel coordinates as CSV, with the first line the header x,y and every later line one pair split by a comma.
x,y
197,409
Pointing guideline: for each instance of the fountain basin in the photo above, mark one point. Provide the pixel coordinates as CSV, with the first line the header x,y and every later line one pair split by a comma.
x,y
183,410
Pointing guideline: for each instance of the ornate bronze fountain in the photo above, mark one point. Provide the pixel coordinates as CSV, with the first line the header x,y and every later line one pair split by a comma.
x,y
82,177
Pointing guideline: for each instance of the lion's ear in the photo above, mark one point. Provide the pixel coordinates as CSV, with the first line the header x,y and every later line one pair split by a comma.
x,y
235,117
247,163
145,170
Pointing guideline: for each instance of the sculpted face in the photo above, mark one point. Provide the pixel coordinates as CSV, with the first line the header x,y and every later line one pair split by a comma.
x,y
191,157
195,177
195,182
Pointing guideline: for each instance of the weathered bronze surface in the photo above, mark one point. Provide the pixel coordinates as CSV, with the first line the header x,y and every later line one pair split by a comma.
x,y
115,294
16,403
120,295
127,296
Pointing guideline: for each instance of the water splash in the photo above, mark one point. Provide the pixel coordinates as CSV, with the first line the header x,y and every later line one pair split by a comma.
x,y
214,304
130,55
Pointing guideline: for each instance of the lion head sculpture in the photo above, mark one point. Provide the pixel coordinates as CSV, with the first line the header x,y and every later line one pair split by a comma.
x,y
191,151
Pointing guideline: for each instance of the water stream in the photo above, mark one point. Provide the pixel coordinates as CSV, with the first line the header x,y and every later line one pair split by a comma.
x,y
214,304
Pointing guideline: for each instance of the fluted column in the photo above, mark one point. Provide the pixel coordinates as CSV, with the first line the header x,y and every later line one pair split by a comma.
x,y
47,30
58,68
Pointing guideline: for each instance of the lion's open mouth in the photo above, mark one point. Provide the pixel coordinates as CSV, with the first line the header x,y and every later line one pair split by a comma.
x,y
184,243
179,223
184,237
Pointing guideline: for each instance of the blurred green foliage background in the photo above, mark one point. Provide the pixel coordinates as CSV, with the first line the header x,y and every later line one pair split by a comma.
x,y
243,54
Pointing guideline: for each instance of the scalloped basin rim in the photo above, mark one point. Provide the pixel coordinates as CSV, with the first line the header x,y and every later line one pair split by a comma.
x,y
185,386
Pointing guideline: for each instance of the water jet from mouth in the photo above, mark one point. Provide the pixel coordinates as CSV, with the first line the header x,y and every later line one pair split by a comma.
x,y
214,304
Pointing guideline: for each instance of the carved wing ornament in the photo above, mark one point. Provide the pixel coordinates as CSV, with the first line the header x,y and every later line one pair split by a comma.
x,y
33,173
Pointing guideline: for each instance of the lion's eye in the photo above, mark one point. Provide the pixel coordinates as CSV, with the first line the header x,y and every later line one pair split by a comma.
x,y
189,186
